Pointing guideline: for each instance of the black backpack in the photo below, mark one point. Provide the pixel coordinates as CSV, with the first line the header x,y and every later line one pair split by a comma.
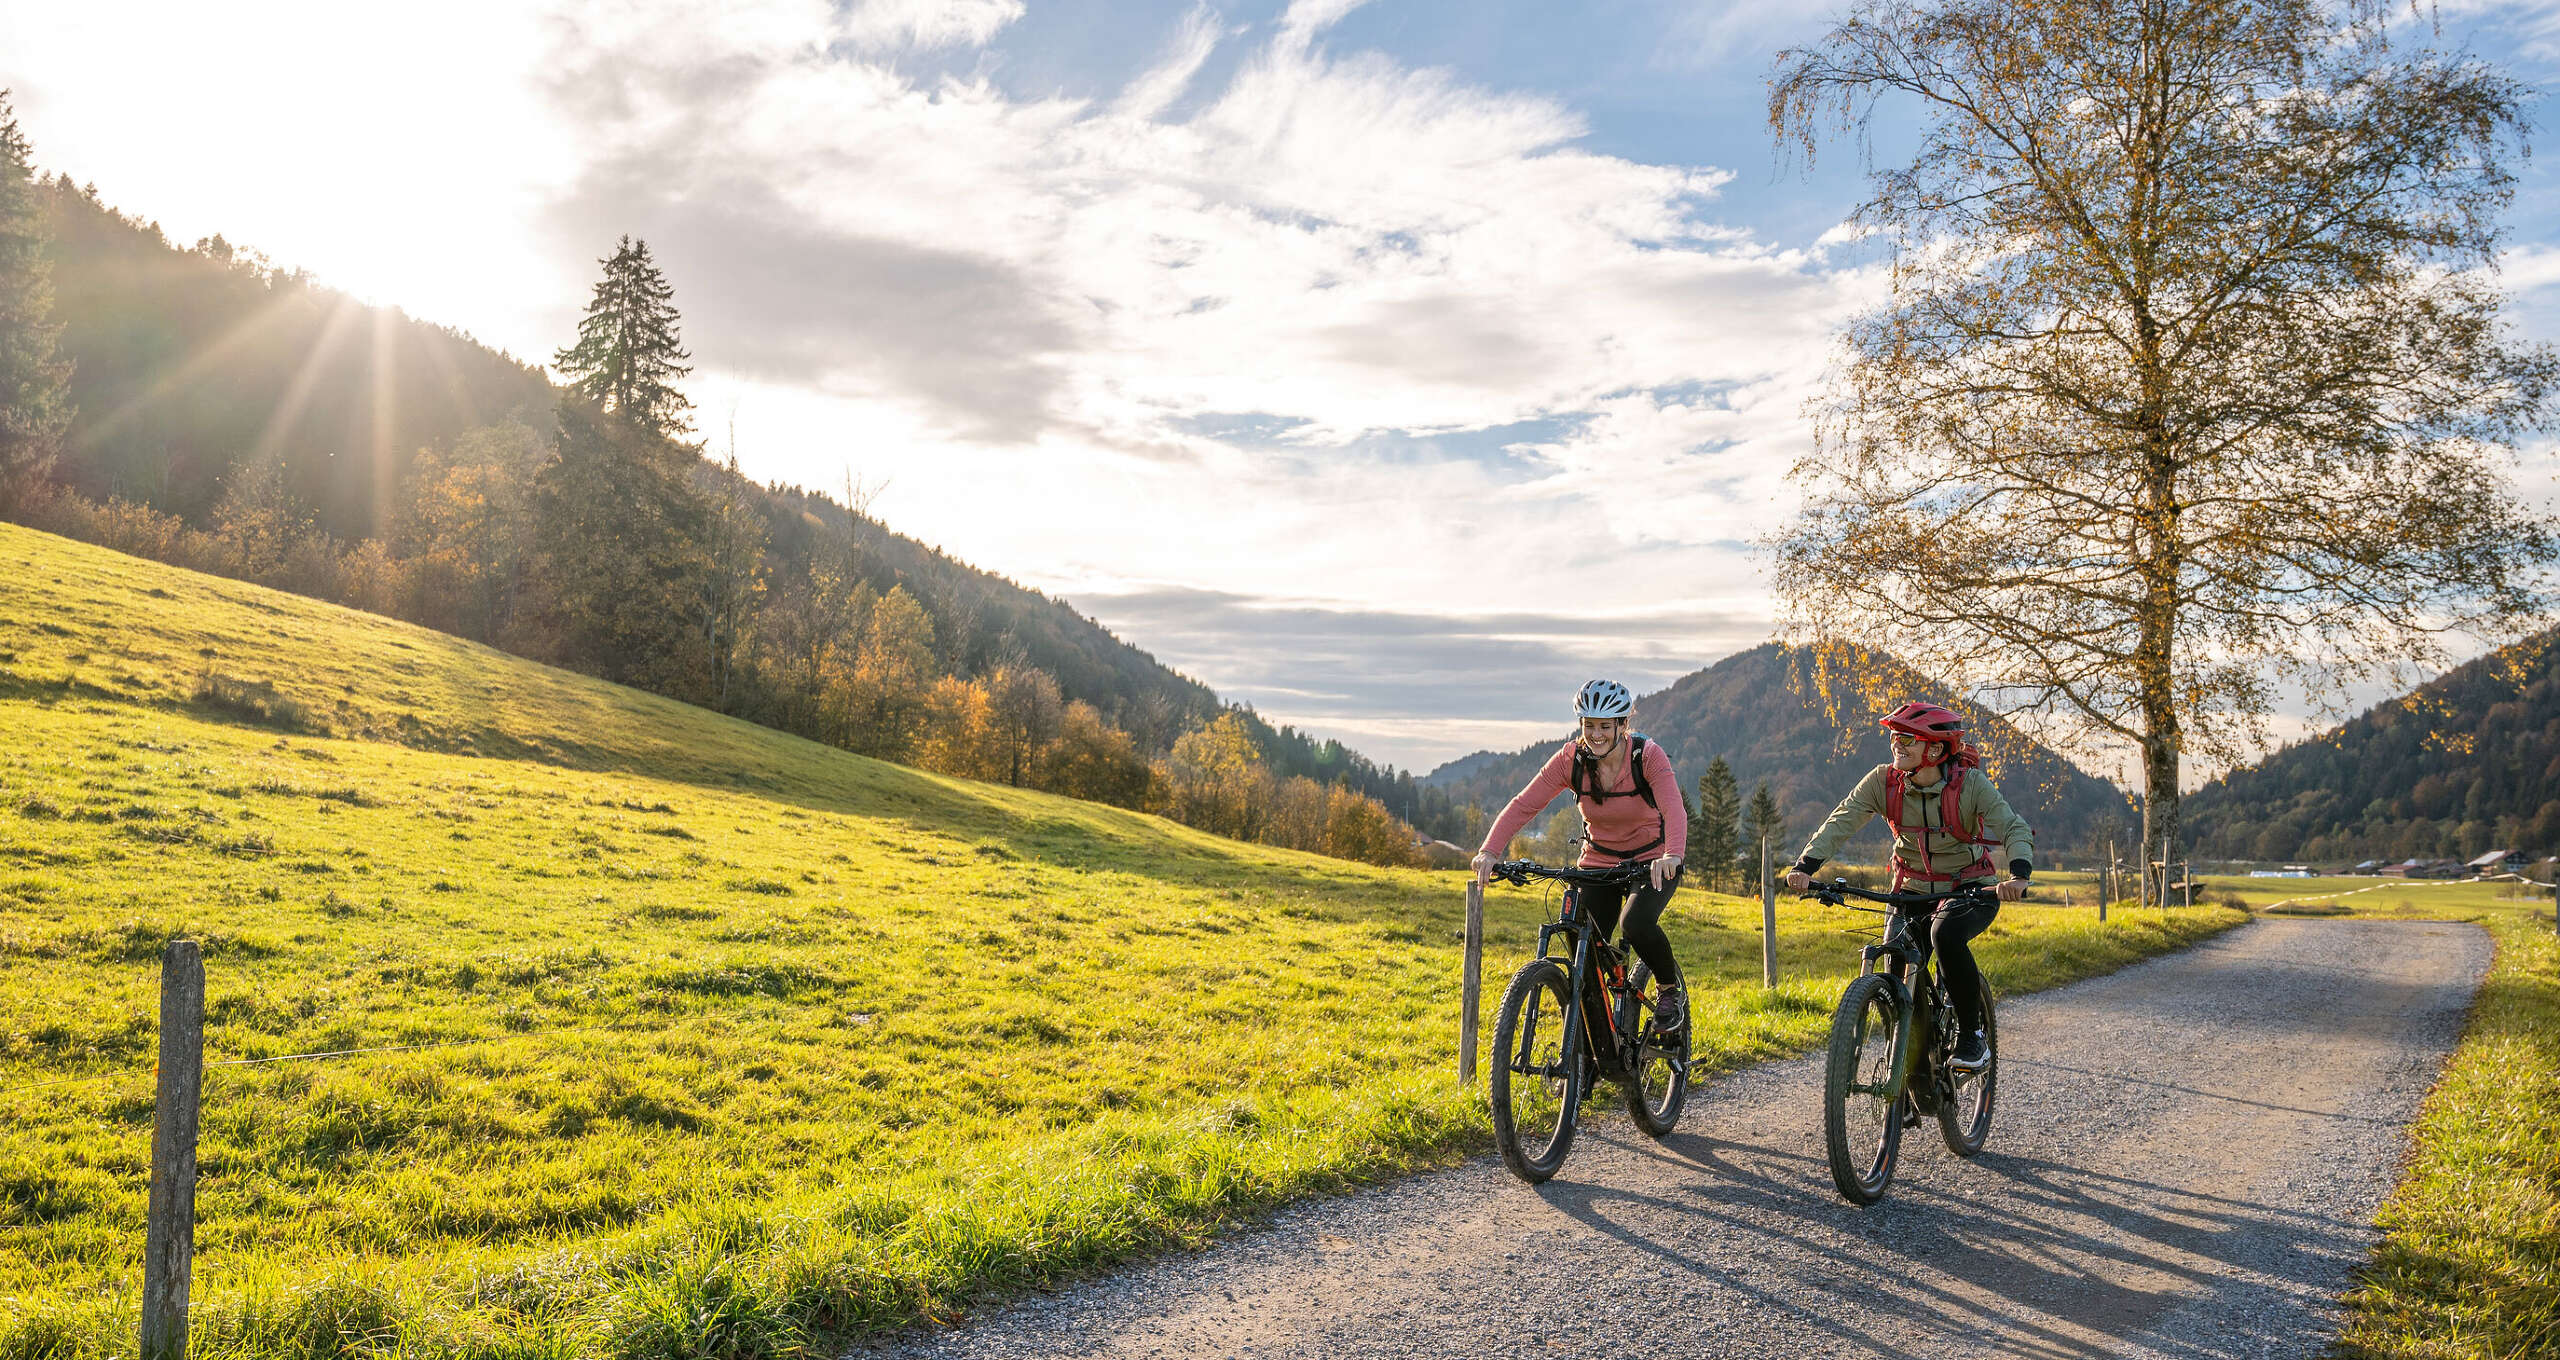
x,y
1586,784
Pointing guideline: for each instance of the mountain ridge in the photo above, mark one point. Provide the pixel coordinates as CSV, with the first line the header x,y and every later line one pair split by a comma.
x,y
1757,709
2466,763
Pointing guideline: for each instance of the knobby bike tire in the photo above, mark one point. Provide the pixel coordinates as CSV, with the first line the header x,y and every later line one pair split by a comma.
x,y
1964,1117
1861,1130
1657,1085
1534,1074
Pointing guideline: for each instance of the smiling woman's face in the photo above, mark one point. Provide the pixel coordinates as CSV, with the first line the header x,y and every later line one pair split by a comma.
x,y
1910,753
1600,735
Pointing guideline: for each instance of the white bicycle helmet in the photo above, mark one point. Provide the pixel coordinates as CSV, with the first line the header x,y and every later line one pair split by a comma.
x,y
1603,699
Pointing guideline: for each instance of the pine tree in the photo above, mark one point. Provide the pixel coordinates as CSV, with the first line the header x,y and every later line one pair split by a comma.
x,y
35,402
1763,824
620,562
627,352
1715,835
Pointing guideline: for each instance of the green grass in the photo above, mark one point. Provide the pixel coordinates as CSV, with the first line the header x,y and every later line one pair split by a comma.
x,y
751,1043
2469,1268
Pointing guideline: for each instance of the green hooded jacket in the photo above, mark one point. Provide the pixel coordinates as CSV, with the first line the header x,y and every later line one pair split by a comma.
x,y
1979,806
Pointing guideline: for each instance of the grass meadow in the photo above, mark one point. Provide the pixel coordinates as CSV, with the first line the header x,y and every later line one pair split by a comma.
x,y
738,1044
2469,1268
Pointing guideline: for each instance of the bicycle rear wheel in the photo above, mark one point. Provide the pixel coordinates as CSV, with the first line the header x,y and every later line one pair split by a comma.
x,y
1536,1083
1861,1121
1964,1117
1658,1084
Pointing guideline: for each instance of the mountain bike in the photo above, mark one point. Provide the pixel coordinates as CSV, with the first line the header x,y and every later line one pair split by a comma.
x,y
1567,1022
1893,1044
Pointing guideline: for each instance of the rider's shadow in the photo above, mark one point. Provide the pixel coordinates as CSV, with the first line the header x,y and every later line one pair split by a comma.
x,y
2061,1262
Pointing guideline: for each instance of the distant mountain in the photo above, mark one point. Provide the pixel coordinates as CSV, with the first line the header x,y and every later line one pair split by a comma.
x,y
1757,710
2465,764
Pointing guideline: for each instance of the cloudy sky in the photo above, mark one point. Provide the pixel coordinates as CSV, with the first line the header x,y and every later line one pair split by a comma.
x,y
1391,364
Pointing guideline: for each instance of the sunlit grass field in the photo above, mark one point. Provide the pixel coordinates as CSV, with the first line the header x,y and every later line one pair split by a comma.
x,y
2470,1266
738,1043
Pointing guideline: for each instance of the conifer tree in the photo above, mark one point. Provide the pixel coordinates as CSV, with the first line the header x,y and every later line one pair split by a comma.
x,y
1715,832
627,353
1762,823
35,403
619,532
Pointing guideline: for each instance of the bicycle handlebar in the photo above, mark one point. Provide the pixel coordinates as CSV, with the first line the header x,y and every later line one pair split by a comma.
x,y
1520,871
1831,893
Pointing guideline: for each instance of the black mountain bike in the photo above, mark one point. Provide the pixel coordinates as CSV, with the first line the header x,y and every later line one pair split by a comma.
x,y
1566,1022
1892,1045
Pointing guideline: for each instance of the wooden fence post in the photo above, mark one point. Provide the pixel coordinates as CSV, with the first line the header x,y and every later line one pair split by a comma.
x,y
2106,880
1471,988
169,1240
1768,919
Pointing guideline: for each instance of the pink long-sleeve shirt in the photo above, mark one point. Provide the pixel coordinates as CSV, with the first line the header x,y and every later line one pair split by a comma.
x,y
1624,822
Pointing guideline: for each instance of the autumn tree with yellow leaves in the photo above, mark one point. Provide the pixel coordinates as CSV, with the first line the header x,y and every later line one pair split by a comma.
x,y
2192,386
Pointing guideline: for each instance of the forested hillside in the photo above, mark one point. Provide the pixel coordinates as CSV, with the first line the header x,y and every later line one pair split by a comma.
x,y
235,417
1758,711
2463,765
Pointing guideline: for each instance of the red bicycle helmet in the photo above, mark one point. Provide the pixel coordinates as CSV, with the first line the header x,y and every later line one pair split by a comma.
x,y
1930,722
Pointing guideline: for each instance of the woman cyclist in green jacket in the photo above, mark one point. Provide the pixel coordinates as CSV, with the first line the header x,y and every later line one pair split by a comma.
x,y
1946,815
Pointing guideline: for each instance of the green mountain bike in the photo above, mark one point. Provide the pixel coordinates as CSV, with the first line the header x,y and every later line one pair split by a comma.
x,y
1892,1048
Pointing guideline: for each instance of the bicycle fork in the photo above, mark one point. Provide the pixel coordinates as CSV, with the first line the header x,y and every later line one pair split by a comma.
x,y
1906,1006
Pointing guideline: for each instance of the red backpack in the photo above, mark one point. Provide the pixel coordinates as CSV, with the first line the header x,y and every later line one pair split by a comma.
x,y
1949,796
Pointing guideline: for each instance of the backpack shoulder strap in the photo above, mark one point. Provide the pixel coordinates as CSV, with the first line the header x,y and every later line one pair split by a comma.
x,y
1951,813
1893,796
1635,766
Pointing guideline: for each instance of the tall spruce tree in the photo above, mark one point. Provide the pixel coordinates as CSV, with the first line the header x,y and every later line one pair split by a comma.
x,y
1762,823
35,402
620,561
627,354
1715,832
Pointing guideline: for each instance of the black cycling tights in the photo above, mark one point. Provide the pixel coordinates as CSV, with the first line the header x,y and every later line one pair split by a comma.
x,y
1949,931
1644,923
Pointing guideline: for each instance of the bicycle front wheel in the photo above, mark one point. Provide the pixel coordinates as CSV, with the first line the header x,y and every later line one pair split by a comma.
x,y
1964,1117
1861,1119
1536,1082
1658,1083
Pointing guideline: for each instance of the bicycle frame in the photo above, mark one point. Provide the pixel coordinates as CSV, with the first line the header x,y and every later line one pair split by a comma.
x,y
1904,957
1579,1036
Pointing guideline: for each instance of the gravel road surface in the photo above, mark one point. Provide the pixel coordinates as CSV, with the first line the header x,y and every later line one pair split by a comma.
x,y
2186,1162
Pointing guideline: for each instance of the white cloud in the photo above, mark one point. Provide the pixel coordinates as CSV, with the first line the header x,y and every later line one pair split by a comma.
x,y
928,23
1155,90
1056,297
2526,268
1306,18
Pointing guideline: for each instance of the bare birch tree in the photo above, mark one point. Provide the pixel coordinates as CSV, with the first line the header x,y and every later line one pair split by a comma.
x,y
2192,384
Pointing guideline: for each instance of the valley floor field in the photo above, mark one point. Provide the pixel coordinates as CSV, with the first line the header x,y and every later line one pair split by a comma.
x,y
745,1042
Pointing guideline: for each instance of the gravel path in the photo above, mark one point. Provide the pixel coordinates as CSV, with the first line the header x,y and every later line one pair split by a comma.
x,y
2186,1162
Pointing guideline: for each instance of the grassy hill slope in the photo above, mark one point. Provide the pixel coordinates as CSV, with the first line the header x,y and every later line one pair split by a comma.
x,y
2467,763
710,1041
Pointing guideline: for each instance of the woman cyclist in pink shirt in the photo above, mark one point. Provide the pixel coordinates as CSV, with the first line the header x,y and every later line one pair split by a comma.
x,y
1632,811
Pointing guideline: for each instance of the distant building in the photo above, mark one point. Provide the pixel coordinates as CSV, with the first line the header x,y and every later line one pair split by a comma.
x,y
2498,862
2371,866
2422,868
